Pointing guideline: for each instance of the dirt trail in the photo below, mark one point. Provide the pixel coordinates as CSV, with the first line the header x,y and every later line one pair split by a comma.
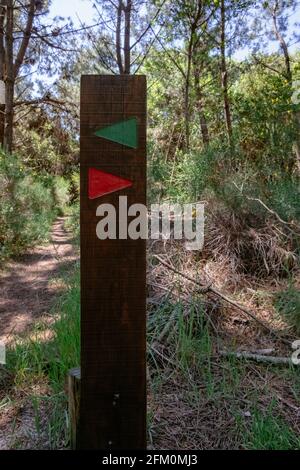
x,y
27,287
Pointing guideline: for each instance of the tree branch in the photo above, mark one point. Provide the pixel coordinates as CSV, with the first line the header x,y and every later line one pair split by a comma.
x,y
26,37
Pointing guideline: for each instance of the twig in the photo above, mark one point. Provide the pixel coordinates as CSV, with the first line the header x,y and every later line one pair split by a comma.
x,y
259,358
271,211
162,356
213,290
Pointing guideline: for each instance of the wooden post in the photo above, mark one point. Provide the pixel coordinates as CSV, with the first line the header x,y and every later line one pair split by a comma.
x,y
113,271
74,404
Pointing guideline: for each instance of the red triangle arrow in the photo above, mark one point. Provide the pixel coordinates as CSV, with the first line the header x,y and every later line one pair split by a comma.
x,y
101,183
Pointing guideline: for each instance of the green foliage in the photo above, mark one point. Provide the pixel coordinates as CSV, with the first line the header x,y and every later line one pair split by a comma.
x,y
46,146
49,360
74,187
194,343
28,205
265,130
72,221
270,432
65,349
284,196
287,303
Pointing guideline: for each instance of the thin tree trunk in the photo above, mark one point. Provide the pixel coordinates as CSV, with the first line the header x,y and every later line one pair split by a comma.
x,y
187,92
26,38
224,74
10,79
199,98
283,46
2,63
289,77
118,37
127,13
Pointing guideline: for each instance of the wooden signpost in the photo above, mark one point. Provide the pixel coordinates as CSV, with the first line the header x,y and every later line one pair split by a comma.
x,y
113,271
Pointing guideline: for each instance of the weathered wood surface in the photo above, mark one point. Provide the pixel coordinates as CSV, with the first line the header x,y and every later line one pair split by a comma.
x,y
74,404
113,276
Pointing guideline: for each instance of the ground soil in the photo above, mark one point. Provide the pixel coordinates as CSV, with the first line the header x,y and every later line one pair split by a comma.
x,y
29,286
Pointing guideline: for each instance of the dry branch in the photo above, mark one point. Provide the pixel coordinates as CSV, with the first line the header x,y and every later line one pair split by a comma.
x,y
213,290
259,358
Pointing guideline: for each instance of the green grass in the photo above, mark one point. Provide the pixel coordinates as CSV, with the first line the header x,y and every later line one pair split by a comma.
x,y
34,360
287,304
72,222
269,431
190,347
188,343
200,380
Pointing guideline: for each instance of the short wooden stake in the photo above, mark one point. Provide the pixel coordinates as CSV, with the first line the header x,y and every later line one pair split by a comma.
x,y
74,378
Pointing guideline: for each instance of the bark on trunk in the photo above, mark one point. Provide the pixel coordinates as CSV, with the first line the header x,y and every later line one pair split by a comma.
x,y
224,74
199,98
127,13
9,79
194,25
289,77
2,62
26,38
187,93
118,37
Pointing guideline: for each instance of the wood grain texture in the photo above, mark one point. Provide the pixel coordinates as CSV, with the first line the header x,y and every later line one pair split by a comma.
x,y
113,276
74,378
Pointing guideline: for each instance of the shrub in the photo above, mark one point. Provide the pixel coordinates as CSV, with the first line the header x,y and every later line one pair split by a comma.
x,y
253,246
28,205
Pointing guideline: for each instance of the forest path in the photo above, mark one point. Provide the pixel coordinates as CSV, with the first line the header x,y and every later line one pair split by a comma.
x,y
27,286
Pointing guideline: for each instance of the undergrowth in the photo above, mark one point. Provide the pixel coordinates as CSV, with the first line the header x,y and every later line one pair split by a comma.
x,y
47,356
213,402
29,203
287,303
268,431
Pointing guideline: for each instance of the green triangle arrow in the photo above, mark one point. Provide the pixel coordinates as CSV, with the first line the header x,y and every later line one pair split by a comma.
x,y
124,133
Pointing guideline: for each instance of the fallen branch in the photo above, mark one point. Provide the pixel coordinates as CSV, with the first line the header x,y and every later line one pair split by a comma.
x,y
213,290
271,211
259,358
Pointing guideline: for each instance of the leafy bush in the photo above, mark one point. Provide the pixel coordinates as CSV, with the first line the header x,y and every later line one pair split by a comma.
x,y
28,205
72,223
74,187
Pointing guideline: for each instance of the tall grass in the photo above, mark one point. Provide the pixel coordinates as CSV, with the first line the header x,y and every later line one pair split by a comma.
x,y
268,431
47,356
287,304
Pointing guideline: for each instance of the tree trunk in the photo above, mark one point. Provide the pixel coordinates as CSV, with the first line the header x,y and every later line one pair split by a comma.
x,y
2,63
9,79
224,74
289,77
127,13
297,141
199,98
26,38
187,92
118,37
